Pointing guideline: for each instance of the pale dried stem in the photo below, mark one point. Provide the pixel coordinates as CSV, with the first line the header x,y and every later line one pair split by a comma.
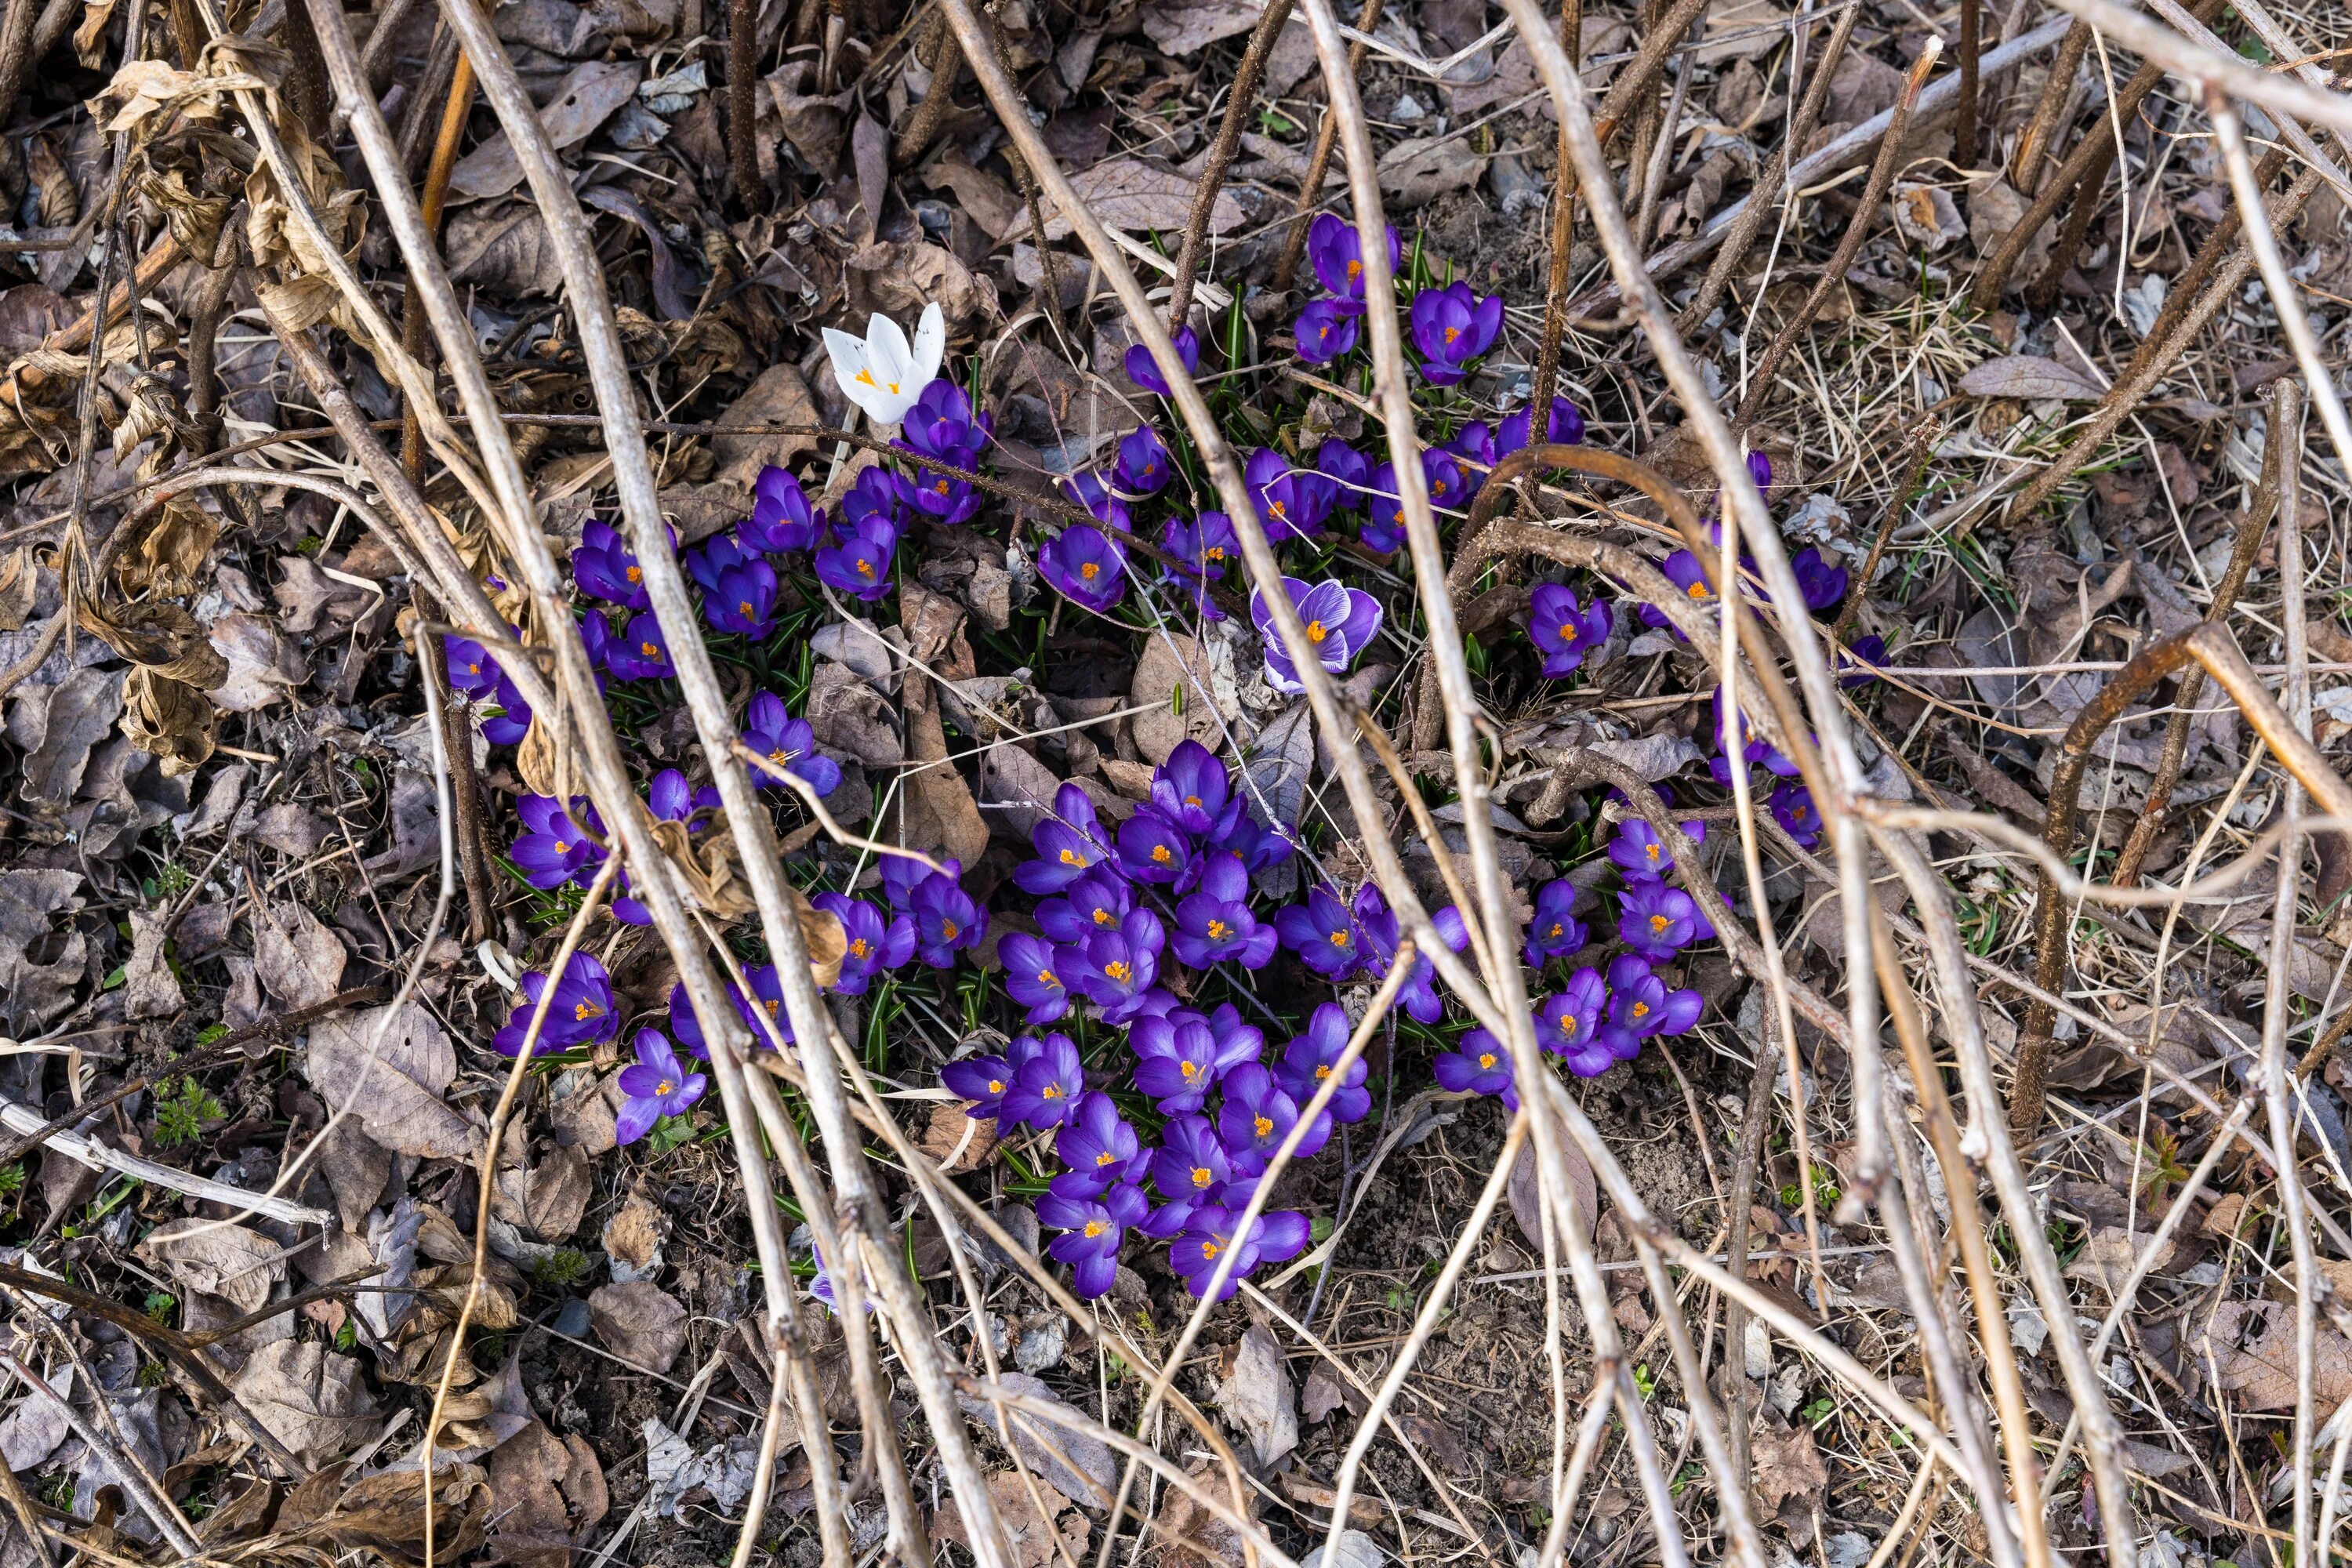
x,y
1318,162
512,513
2033,142
749,819
575,929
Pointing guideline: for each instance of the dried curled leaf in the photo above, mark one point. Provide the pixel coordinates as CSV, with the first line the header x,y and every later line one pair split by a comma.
x,y
167,559
169,719
158,636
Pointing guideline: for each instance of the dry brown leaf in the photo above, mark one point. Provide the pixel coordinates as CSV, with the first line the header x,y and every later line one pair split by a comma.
x,y
547,1200
1129,193
958,1141
1256,1396
397,1096
310,1399
1030,1534
592,94
1080,1465
547,1492
2028,379
638,1321
229,1261
169,719
632,1237
2109,1259
1788,1464
2254,1343
777,396
150,989
296,959
1159,674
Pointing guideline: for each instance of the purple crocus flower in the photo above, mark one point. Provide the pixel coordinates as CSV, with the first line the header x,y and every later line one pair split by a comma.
x,y
1214,923
1568,1023
1291,502
656,1085
1565,632
673,799
876,494
1099,1148
1448,485
876,943
860,563
1418,997
1114,970
1310,1059
1030,978
782,519
1328,329
1101,500
641,652
1684,570
718,553
1096,901
1092,1232
1564,428
1046,1086
1259,845
1555,932
902,874
982,1080
1152,848
1144,466
1069,844
686,1027
1479,1065
1257,1116
1854,666
1191,790
511,723
1323,933
763,1011
1474,441
1637,850
1337,250
1275,1238
941,427
1640,1001
1759,468
473,673
1655,921
1384,529
1340,623
1350,471
1181,1057
769,730
1204,544
596,641
607,568
946,921
580,1010
1451,327
738,590
1822,584
1792,808
1754,751
1144,371
1084,566
555,846
1191,1170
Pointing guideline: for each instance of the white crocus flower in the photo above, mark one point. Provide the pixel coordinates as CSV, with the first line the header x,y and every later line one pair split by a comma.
x,y
884,375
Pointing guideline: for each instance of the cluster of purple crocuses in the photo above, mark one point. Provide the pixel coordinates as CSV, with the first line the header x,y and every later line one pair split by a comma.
x,y
1123,901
